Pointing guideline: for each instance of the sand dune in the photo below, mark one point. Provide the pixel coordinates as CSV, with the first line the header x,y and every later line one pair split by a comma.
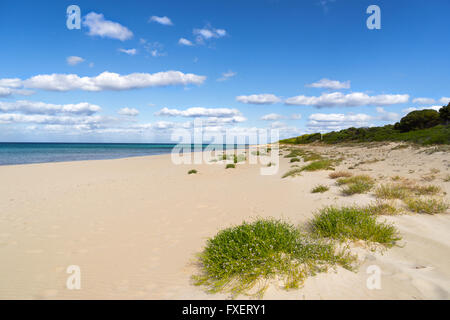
x,y
134,225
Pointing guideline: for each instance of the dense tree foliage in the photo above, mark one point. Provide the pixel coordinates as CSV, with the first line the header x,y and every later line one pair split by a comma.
x,y
420,119
444,114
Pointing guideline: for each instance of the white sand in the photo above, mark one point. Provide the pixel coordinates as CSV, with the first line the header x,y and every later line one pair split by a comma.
x,y
134,226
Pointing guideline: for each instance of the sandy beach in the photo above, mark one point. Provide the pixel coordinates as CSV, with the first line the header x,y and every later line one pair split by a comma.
x,y
135,225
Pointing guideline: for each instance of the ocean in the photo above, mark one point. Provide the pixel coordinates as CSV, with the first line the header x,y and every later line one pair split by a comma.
x,y
24,153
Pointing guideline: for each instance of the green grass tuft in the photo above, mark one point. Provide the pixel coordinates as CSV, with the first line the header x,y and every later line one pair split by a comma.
x,y
230,165
236,259
320,189
193,171
294,160
356,184
429,206
325,164
340,174
292,173
353,223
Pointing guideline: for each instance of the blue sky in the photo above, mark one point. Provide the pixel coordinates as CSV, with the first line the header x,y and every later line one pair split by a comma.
x,y
137,70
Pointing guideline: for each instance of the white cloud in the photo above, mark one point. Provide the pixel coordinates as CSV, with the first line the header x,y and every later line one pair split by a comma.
x,y
156,49
208,33
387,116
128,112
130,52
10,86
321,122
5,92
185,42
74,60
347,100
272,117
330,84
111,81
264,98
296,116
51,119
35,107
11,83
199,112
98,26
161,20
408,110
424,101
444,100
227,75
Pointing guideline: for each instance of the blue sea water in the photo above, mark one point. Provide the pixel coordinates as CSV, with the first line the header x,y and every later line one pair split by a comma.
x,y
23,153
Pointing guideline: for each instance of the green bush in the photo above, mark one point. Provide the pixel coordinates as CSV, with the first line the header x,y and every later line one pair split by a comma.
x,y
238,258
320,189
193,171
419,119
353,223
436,135
444,114
230,166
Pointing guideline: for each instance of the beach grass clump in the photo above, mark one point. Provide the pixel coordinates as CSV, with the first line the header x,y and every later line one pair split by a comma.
x,y
312,156
340,174
353,223
325,164
230,166
294,153
405,190
239,158
356,184
425,190
428,205
292,173
320,189
193,171
392,191
382,208
238,258
294,160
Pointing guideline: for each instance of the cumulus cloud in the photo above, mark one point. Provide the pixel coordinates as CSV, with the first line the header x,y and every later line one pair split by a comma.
x,y
128,112
322,122
408,110
130,52
11,83
5,92
208,33
10,86
111,81
199,112
264,98
161,20
35,107
98,26
51,119
227,75
347,100
272,117
423,100
296,116
330,84
387,116
444,100
185,42
74,60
